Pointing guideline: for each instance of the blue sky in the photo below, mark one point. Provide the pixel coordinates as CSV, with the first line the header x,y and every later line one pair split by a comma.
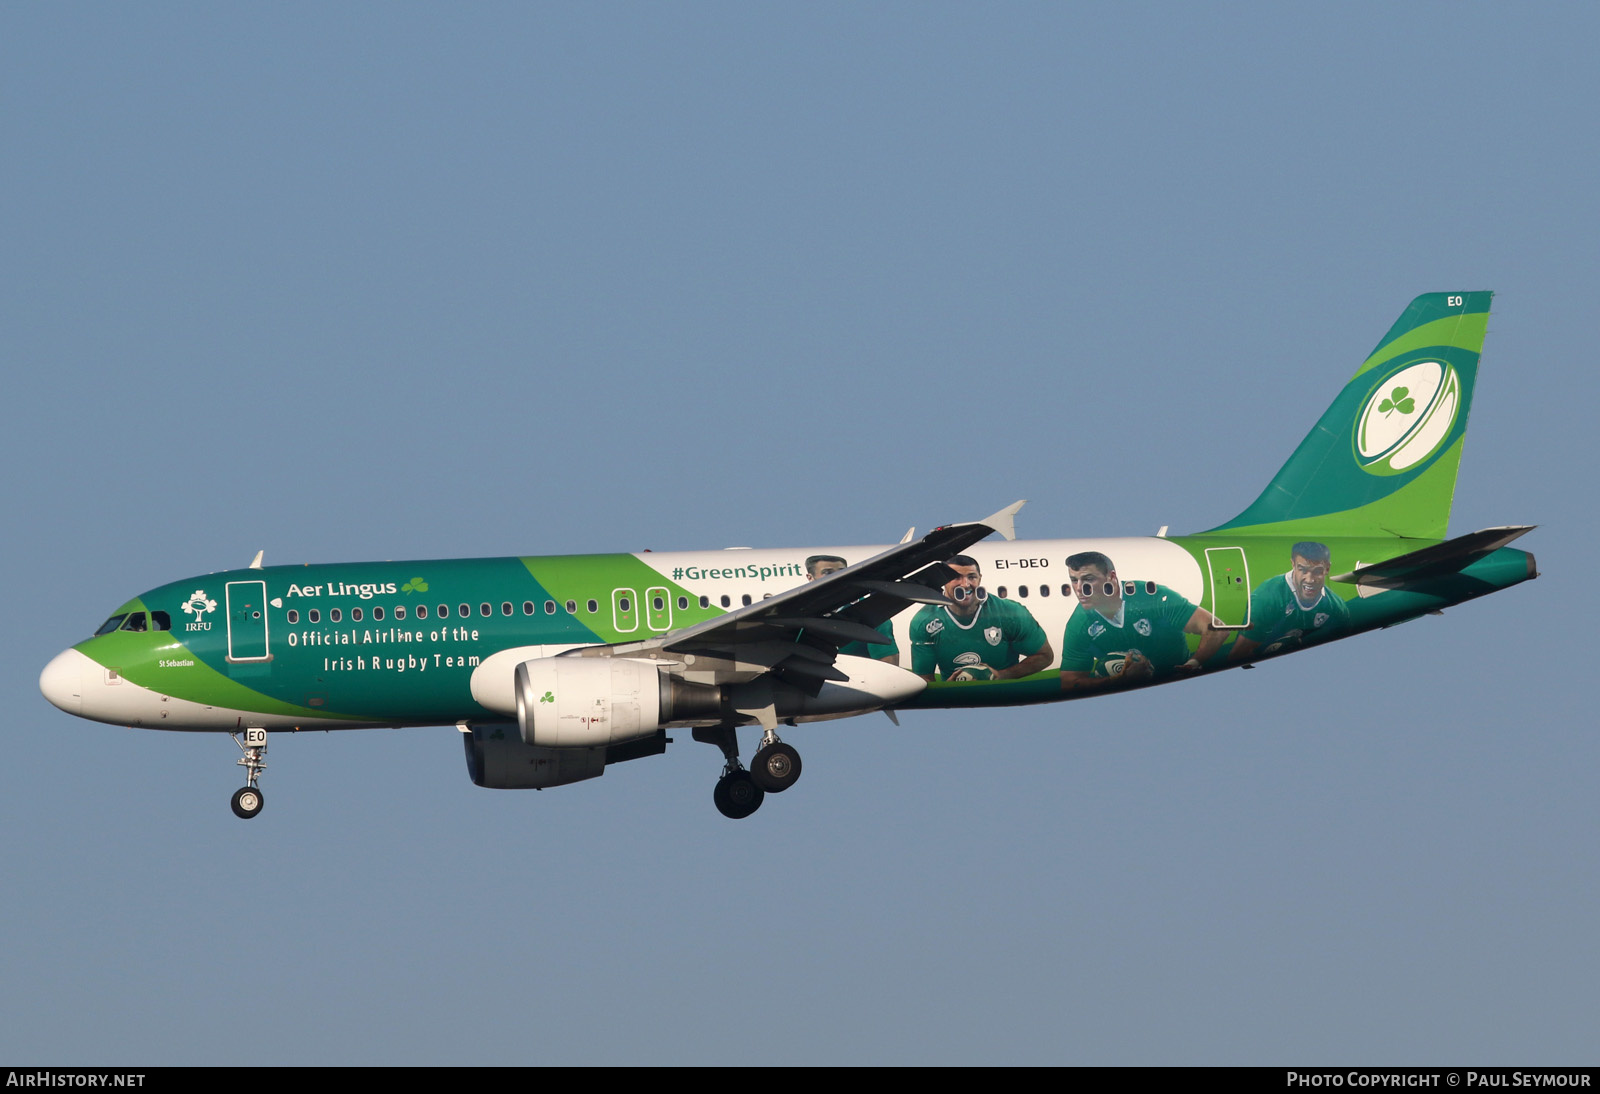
x,y
390,281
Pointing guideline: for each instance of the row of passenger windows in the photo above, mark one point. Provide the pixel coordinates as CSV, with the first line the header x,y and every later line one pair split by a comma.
x,y
485,609
1129,588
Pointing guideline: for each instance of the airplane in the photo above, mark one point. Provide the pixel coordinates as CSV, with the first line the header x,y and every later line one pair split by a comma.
x,y
554,668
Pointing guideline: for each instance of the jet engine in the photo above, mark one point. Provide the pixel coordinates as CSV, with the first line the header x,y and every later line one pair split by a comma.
x,y
595,702
497,758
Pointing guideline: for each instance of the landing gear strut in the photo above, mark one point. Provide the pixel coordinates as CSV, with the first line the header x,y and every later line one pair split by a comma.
x,y
247,800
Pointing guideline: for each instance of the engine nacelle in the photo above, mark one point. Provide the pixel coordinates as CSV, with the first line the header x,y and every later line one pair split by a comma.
x,y
497,759
590,702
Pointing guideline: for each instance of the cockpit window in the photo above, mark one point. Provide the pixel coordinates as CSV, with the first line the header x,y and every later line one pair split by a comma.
x,y
160,621
135,622
111,624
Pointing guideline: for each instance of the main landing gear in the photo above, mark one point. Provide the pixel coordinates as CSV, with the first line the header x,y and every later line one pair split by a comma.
x,y
247,800
773,769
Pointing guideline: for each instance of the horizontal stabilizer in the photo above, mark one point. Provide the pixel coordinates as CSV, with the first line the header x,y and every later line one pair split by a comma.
x,y
1451,556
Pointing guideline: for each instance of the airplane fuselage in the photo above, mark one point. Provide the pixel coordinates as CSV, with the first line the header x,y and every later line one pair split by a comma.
x,y
355,645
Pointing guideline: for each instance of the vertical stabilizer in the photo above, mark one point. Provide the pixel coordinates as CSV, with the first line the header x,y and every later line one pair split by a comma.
x,y
1383,458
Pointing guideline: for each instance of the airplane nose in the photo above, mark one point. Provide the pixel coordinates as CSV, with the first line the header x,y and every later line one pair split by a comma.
x,y
62,681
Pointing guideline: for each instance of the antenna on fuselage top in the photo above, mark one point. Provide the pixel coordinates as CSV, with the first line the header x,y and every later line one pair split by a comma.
x,y
255,563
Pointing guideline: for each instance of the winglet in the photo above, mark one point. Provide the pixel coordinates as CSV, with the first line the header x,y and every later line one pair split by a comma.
x,y
1004,521
911,534
255,563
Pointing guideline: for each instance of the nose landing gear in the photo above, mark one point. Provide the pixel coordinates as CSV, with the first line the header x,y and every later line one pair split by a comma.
x,y
247,800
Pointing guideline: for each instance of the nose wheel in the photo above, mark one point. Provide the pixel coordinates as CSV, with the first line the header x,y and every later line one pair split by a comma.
x,y
247,800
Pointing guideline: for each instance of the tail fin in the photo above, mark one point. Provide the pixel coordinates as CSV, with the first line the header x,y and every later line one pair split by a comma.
x,y
1382,461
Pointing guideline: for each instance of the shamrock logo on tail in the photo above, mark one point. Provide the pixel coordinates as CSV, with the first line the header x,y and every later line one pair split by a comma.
x,y
1399,399
417,585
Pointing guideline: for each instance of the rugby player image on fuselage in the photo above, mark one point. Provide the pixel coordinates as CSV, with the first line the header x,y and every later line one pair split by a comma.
x,y
1288,611
979,637
889,650
1124,635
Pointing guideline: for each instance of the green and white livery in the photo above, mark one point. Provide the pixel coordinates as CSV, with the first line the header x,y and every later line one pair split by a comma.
x,y
555,667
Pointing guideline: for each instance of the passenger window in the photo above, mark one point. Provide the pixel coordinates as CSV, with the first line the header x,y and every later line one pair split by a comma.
x,y
377,614
572,607
400,611
333,615
444,611
1002,591
355,615
528,608
726,603
1129,588
160,621
485,609
505,607
1110,588
465,610
135,622
111,624
683,603
1044,590
549,607
314,615
705,602
1150,587
294,616
422,611
1022,591
594,606
657,604
1066,590
746,599
623,605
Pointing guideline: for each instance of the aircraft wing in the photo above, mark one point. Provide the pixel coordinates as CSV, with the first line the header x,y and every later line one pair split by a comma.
x,y
799,632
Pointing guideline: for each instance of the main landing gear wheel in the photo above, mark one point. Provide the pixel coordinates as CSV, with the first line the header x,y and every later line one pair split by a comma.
x,y
737,795
247,802
775,767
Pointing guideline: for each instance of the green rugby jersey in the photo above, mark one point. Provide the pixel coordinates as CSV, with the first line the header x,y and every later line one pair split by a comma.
x,y
1002,633
1278,621
1152,623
